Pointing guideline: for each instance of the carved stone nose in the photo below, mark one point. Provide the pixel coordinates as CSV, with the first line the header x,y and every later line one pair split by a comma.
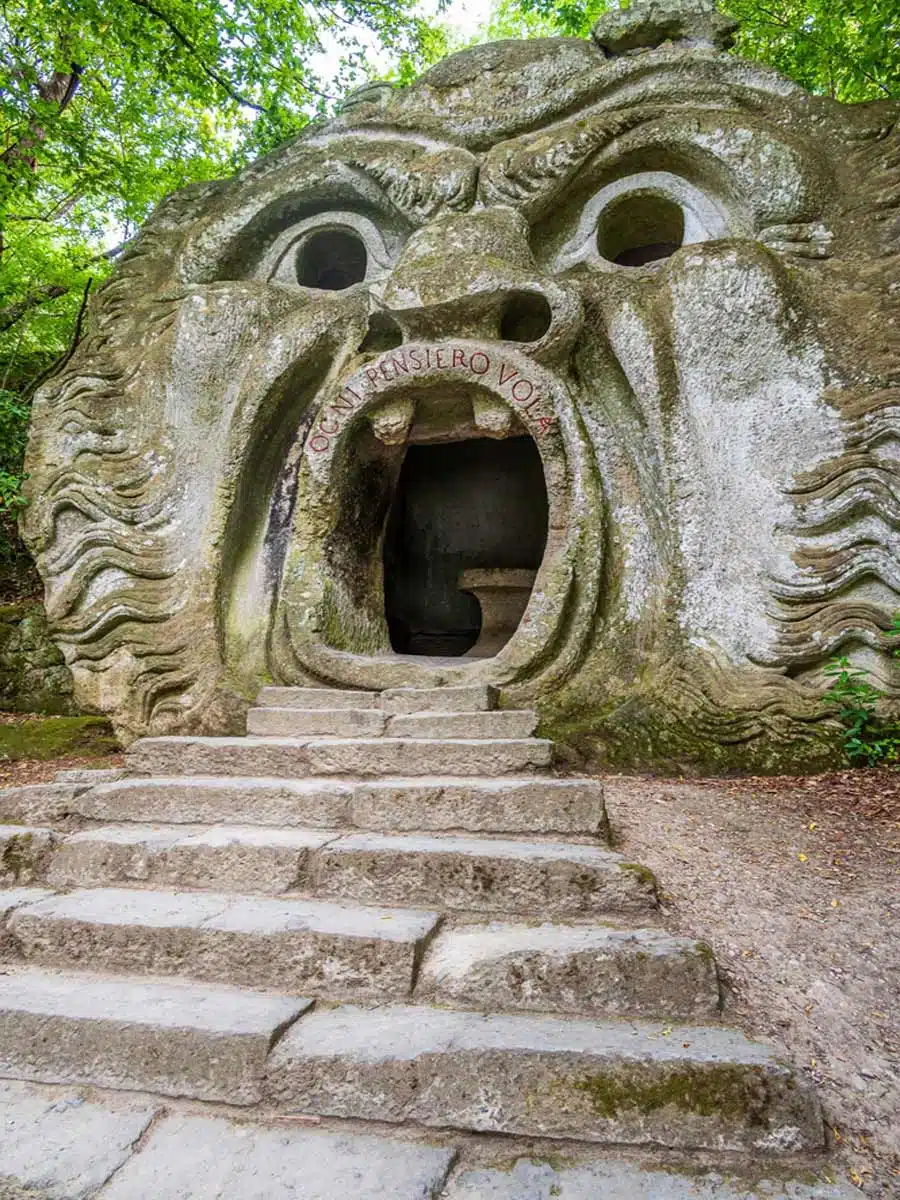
x,y
473,275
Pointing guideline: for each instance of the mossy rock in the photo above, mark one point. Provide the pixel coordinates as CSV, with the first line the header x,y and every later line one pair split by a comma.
x,y
57,737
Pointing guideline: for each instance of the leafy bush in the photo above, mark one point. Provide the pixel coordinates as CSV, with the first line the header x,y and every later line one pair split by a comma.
x,y
867,736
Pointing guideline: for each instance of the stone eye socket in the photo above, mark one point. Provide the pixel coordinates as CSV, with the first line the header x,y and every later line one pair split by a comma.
x,y
330,252
640,228
331,260
642,219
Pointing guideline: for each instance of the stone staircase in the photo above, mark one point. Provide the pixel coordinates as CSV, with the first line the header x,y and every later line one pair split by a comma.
x,y
379,908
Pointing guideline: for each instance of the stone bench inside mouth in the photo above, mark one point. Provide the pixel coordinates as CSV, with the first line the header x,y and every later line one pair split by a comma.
x,y
502,594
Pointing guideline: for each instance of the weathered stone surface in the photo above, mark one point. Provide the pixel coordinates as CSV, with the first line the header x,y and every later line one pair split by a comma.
x,y
503,723
293,757
502,804
63,1147
321,697
25,854
10,900
476,698
540,259
583,969
488,805
33,673
213,800
423,756
236,858
208,1159
37,803
178,1039
687,1086
482,873
89,776
312,947
315,722
646,24
533,1179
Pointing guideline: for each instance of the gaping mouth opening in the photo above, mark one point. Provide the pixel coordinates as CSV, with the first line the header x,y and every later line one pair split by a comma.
x,y
443,523
445,499
464,538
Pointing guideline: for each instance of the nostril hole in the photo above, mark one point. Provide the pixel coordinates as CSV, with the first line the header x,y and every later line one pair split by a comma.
x,y
526,318
383,334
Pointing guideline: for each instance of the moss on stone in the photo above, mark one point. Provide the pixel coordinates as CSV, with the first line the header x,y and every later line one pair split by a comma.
x,y
713,1090
57,737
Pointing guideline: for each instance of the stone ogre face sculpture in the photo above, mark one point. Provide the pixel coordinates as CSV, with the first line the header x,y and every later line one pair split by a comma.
x,y
596,344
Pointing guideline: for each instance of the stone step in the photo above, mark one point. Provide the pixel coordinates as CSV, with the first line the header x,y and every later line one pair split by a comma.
x,y
296,946
315,722
482,874
504,804
479,874
687,1087
501,723
469,698
231,858
178,1039
303,697
588,970
368,722
25,853
291,758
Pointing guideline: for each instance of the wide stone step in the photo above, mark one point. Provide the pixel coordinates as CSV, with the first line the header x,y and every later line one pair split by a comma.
x,y
367,722
303,697
634,1084
230,858
502,723
483,874
467,698
178,1039
300,946
588,970
25,853
315,722
504,804
291,758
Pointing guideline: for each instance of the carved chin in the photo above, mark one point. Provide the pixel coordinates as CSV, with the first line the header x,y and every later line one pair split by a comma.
x,y
445,525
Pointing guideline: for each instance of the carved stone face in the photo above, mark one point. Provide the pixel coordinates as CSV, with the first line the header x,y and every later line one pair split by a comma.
x,y
572,375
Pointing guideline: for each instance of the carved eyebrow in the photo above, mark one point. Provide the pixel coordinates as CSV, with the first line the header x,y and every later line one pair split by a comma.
x,y
528,173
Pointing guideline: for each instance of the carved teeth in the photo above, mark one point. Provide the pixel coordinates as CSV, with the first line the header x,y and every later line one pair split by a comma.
x,y
491,417
391,421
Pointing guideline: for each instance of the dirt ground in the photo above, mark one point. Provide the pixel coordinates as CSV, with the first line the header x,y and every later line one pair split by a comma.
x,y
794,883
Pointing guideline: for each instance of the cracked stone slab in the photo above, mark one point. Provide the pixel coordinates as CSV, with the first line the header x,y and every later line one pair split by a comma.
x,y
588,970
488,874
214,1159
233,857
688,1087
309,946
532,1179
177,1039
63,1147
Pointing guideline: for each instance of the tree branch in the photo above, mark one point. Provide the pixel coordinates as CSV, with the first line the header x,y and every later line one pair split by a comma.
x,y
192,50
64,358
15,312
